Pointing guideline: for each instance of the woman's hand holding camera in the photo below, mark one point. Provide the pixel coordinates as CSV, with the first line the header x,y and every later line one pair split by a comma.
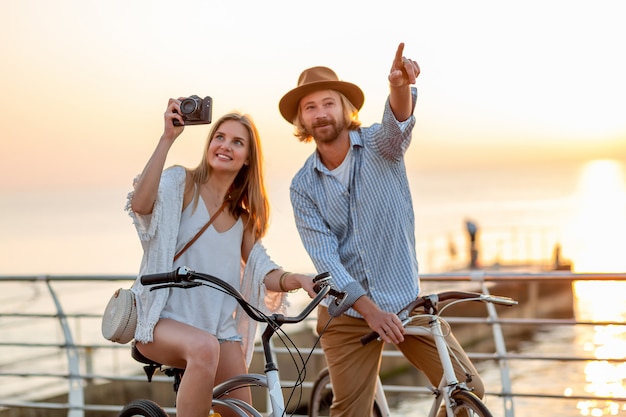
x,y
172,113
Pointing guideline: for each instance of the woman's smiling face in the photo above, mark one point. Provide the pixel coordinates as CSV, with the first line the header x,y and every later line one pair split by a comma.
x,y
229,147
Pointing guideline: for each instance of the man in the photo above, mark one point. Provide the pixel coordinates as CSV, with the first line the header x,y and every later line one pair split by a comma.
x,y
354,213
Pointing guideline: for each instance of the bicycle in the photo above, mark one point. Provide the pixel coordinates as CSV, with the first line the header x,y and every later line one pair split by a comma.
x,y
456,395
186,278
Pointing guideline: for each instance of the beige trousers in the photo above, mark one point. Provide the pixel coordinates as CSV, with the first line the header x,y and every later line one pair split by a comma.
x,y
354,367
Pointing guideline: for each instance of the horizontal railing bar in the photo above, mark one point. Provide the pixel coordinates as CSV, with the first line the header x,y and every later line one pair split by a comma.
x,y
472,355
389,353
31,404
107,377
540,321
63,345
387,388
517,356
522,276
556,396
400,389
65,406
439,277
51,315
450,319
514,356
43,278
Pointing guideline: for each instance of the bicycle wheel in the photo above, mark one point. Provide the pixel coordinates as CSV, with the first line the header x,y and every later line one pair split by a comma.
x,y
468,404
142,408
322,397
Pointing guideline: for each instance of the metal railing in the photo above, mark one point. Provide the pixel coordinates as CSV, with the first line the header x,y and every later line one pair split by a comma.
x,y
73,357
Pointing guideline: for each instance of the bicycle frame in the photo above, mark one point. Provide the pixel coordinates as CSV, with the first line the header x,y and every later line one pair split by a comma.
x,y
184,278
449,382
271,379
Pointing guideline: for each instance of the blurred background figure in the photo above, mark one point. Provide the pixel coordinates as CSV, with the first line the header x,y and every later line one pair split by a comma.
x,y
472,231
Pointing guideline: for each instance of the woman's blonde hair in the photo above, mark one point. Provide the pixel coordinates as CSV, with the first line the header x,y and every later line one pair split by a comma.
x,y
350,118
247,195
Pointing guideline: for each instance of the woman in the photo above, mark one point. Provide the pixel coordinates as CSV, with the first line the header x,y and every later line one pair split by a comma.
x,y
201,329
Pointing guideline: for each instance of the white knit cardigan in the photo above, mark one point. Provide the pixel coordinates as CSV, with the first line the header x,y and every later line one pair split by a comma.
x,y
158,232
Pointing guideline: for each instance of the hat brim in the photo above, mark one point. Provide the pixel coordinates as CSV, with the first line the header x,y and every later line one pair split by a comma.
x,y
288,105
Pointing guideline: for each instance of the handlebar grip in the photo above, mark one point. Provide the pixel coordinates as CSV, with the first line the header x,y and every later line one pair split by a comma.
x,y
370,337
505,301
165,277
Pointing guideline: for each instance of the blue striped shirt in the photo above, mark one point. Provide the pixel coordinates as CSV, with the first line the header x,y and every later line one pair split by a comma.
x,y
364,233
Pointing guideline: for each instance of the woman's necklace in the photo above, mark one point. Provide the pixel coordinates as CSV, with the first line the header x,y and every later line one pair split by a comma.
x,y
214,200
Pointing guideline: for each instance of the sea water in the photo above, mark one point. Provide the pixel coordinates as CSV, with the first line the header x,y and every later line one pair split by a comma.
x,y
522,216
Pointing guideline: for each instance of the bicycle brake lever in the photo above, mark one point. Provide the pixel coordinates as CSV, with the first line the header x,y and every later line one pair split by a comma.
x,y
348,297
339,295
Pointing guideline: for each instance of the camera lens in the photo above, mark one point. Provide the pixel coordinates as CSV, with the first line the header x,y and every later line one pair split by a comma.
x,y
188,106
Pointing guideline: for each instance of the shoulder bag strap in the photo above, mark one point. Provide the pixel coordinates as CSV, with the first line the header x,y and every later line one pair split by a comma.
x,y
206,226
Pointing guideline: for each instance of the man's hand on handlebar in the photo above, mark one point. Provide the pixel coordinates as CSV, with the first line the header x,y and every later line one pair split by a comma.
x,y
387,325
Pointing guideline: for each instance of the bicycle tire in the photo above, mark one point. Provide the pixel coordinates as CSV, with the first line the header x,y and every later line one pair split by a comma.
x,y
322,397
469,404
142,408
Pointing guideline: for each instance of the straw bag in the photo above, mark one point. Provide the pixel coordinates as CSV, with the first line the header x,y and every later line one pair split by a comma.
x,y
120,317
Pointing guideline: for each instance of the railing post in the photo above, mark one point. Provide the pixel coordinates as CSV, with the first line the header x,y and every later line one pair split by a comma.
x,y
503,364
75,395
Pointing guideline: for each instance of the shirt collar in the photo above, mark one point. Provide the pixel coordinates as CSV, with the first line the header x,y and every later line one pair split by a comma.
x,y
355,140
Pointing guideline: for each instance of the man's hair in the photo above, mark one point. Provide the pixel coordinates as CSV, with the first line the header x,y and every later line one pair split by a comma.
x,y
350,118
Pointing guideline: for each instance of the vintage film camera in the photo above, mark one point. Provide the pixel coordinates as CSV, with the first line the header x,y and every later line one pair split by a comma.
x,y
196,110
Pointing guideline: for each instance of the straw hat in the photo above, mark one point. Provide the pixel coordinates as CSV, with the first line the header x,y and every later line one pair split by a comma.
x,y
315,79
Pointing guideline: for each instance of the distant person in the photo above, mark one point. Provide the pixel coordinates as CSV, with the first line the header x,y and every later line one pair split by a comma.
x,y
354,213
202,330
472,231
560,264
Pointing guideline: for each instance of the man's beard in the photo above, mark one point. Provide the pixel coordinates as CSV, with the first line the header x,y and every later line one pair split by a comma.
x,y
331,132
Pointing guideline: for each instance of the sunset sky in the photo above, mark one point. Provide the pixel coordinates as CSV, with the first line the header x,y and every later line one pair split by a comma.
x,y
85,83
504,85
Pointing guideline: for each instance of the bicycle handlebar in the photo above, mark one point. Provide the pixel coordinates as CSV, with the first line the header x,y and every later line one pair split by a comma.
x,y
176,276
184,277
434,299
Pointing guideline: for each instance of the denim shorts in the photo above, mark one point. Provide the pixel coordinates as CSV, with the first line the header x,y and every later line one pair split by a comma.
x,y
236,338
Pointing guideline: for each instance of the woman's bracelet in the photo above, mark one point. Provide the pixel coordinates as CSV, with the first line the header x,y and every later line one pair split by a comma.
x,y
281,281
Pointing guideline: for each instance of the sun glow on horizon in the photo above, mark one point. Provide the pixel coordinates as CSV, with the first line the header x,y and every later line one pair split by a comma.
x,y
599,228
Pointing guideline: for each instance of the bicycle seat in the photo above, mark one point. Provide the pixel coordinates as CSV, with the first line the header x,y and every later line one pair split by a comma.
x,y
139,357
152,366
